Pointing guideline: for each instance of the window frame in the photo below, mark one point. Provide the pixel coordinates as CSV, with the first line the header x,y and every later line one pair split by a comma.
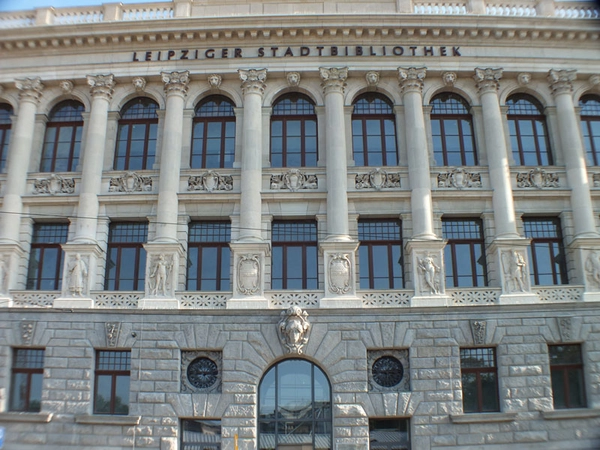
x,y
566,369
557,275
5,133
479,385
138,280
285,245
518,120
50,148
149,154
405,421
450,249
221,246
592,151
209,444
30,372
113,373
35,274
389,243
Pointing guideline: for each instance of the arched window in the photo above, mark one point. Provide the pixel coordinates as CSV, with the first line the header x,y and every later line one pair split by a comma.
x,y
528,135
213,136
590,126
294,132
6,112
294,406
452,131
62,142
374,131
136,138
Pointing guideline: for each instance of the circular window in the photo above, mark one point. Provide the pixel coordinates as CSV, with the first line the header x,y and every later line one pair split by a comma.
x,y
202,373
387,371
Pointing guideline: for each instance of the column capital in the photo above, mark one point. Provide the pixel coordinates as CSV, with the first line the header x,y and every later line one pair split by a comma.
x,y
176,82
411,79
487,80
333,79
101,86
30,89
253,80
561,81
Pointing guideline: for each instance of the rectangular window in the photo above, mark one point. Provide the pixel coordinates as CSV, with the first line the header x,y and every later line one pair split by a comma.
x,y
380,254
26,380
389,434
208,256
201,434
46,256
464,254
479,379
546,252
126,257
566,371
112,382
294,255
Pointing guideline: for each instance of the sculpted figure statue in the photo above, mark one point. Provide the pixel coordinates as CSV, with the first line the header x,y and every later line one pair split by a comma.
x,y
3,274
592,266
514,270
77,276
159,273
293,329
430,271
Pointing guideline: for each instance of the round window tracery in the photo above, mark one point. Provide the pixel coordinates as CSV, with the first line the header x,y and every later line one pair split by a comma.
x,y
202,373
387,371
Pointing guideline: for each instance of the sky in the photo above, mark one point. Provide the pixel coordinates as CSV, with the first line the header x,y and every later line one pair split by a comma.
x,y
20,5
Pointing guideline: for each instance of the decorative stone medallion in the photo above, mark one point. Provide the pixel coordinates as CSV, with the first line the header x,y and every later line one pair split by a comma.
x,y
377,179
248,269
388,370
210,181
54,184
294,180
130,182
201,371
537,178
293,329
340,275
459,179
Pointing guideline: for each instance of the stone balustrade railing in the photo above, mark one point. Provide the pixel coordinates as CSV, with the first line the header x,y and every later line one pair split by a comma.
x,y
115,12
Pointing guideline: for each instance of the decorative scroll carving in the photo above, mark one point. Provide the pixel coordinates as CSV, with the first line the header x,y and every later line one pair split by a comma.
x,y
411,79
459,179
112,329
101,85
524,79
130,182
54,184
372,78
478,328
253,81
293,79
592,267
29,88
487,80
561,81
333,79
66,86
515,271
294,180
293,329
377,179
340,274
248,271
161,276
449,78
565,328
215,81
176,82
210,181
139,83
78,276
430,271
27,330
537,178
201,371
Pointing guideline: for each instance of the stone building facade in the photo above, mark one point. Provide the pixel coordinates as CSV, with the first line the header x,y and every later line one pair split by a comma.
x,y
315,225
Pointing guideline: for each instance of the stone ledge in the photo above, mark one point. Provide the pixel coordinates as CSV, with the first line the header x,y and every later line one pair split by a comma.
x,y
99,419
576,413
482,417
25,417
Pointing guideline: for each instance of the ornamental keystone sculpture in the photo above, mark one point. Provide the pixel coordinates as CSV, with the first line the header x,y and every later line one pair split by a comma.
x,y
293,329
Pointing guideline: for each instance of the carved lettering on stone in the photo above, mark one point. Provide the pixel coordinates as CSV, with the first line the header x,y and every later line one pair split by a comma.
x,y
139,83
248,271
340,274
459,179
160,275
537,178
377,179
210,181
112,330
27,330
130,182
515,271
565,328
478,328
294,180
54,184
293,79
430,274
293,329
592,268
372,78
215,81
78,276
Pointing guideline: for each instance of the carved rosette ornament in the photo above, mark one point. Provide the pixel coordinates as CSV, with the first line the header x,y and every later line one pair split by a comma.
x,y
294,180
459,179
210,181
592,268
333,79
430,274
449,78
176,82
27,330
253,81
524,79
561,81
377,179
514,268
248,270
139,83
215,81
537,178
30,89
478,328
54,184
372,78
411,79
112,330
66,86
101,85
565,328
293,79
487,80
130,182
293,329
340,273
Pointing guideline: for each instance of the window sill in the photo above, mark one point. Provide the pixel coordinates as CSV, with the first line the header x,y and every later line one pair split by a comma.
x,y
482,417
575,413
99,419
25,417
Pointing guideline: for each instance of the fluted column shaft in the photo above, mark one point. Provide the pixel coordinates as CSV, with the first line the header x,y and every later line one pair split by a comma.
x,y
573,152
253,86
95,143
497,153
176,84
333,83
18,158
411,83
